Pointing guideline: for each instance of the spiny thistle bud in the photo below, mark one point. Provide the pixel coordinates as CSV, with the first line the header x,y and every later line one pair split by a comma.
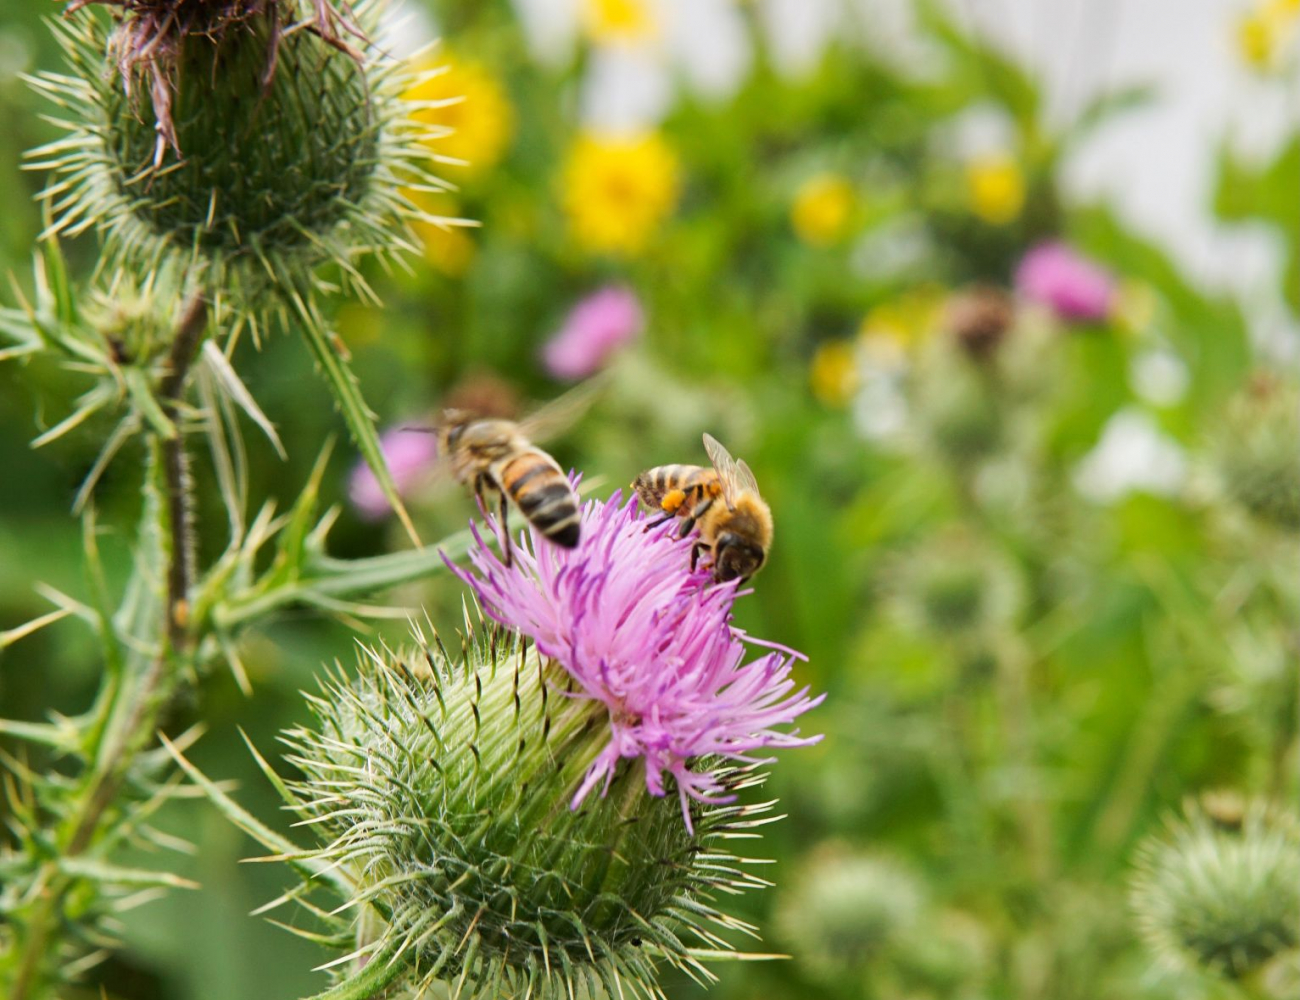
x,y
443,789
953,586
957,400
1222,898
456,798
1255,456
268,144
846,909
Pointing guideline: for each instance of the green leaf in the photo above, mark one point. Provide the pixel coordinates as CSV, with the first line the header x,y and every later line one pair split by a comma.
x,y
358,417
146,403
256,829
102,871
234,387
381,971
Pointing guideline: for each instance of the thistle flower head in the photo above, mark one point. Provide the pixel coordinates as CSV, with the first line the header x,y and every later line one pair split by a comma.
x,y
1221,897
439,790
979,318
1072,286
595,328
411,455
272,145
651,642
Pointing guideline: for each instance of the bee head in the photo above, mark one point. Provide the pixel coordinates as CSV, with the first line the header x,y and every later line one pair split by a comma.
x,y
736,557
451,425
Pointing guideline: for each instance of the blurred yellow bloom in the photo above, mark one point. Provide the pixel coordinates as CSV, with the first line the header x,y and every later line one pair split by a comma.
x,y
477,113
834,373
1265,32
619,20
905,320
617,191
997,188
1135,307
822,208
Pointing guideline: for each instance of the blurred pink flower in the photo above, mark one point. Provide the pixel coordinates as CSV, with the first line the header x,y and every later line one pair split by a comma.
x,y
1076,288
411,454
594,329
652,641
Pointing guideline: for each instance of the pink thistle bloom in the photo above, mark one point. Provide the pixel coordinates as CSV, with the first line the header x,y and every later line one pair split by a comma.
x,y
1076,288
650,640
410,454
596,327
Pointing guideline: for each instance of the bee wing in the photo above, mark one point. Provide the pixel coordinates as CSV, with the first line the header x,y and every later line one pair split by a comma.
x,y
736,477
561,413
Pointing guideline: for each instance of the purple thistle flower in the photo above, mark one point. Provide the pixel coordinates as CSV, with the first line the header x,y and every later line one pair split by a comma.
x,y
649,639
410,454
596,327
1076,288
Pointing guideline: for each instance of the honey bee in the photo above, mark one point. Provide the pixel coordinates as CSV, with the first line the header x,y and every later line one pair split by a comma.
x,y
735,525
496,455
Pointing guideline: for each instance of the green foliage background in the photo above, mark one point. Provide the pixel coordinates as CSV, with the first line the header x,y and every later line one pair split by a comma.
x,y
1000,763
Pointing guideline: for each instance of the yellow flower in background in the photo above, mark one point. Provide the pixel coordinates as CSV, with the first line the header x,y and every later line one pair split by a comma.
x,y
996,186
619,20
618,191
906,320
834,373
822,209
1266,31
472,106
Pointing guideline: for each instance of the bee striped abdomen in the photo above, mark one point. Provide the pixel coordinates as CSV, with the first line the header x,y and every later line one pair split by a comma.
x,y
539,488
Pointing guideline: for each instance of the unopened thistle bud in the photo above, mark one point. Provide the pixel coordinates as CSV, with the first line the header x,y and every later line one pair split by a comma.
x,y
1221,897
958,404
953,587
244,142
846,910
1255,456
502,820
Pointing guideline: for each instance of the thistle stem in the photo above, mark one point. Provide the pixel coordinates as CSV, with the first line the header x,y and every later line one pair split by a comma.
x,y
141,702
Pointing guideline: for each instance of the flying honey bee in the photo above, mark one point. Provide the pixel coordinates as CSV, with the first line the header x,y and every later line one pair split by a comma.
x,y
496,455
735,525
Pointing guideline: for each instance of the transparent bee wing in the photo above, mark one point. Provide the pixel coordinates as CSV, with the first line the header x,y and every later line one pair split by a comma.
x,y
745,477
561,413
730,473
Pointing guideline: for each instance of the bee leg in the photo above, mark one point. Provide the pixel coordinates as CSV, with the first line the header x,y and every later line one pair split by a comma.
x,y
507,549
694,516
696,549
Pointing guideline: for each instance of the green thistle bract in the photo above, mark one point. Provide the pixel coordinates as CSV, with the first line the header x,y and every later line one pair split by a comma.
x,y
1223,898
443,792
274,149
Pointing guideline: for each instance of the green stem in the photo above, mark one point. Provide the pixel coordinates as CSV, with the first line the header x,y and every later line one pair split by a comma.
x,y
142,701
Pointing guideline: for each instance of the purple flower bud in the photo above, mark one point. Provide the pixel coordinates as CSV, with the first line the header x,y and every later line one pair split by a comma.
x,y
640,632
1074,287
597,326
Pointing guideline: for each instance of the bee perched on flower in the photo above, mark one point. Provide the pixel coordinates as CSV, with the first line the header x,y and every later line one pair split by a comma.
x,y
650,642
501,820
